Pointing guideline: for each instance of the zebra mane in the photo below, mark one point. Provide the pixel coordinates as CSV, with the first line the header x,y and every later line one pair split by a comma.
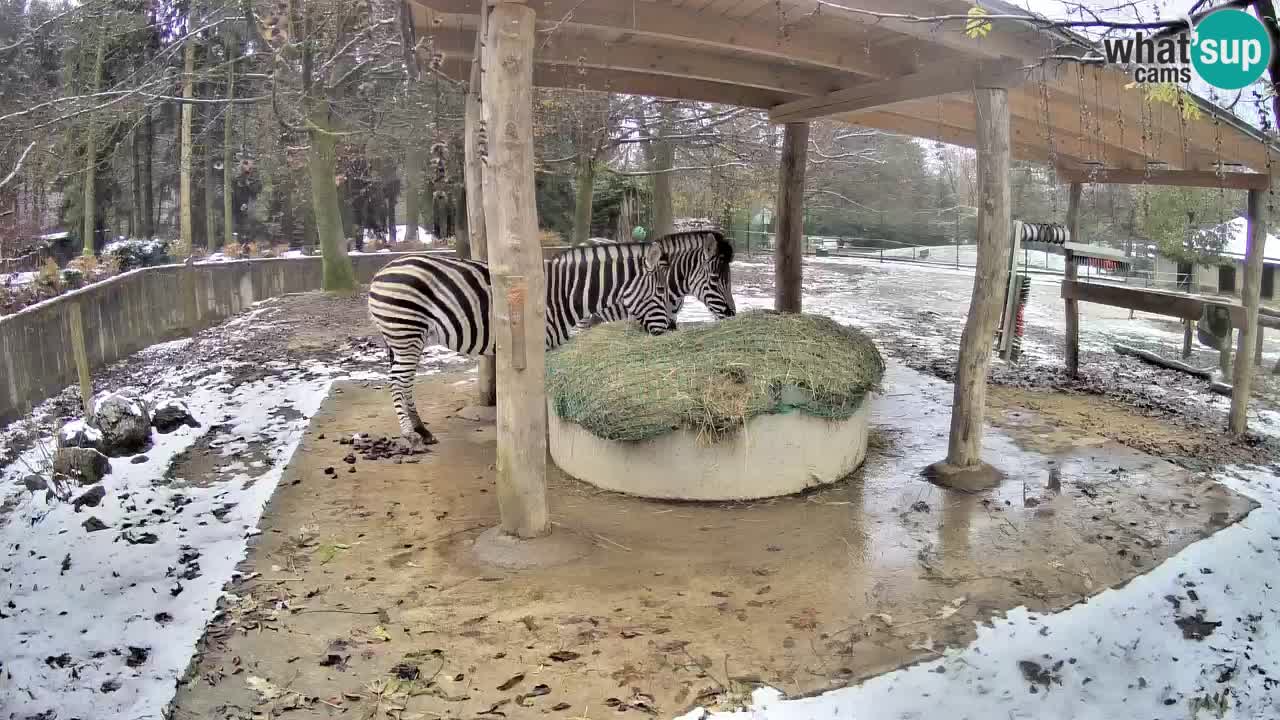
x,y
690,238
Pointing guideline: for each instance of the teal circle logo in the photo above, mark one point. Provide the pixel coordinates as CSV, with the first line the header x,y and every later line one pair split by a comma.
x,y
1230,49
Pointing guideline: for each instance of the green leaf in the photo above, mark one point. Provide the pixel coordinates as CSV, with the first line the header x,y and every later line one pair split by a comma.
x,y
977,26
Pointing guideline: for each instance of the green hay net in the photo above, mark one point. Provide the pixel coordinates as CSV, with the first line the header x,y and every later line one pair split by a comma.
x,y
622,384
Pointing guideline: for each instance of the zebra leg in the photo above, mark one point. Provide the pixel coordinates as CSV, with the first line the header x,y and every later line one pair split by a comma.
x,y
404,363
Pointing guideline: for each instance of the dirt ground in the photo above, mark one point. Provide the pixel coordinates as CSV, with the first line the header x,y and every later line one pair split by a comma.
x,y
363,594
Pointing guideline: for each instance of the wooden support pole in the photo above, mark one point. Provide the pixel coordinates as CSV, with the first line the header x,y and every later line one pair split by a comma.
x,y
473,168
81,354
963,467
1069,273
1249,295
515,267
1187,326
1257,351
788,253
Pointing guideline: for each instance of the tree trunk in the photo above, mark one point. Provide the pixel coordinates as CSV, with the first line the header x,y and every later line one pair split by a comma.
x,y
148,194
789,256
415,165
519,288
473,169
990,276
136,221
1249,295
322,165
663,159
228,164
1072,334
90,204
184,164
586,179
211,209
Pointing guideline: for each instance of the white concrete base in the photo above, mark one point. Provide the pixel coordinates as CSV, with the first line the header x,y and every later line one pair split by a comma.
x,y
773,455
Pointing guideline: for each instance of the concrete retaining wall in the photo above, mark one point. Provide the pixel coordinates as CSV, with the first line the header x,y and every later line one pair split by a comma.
x,y
140,308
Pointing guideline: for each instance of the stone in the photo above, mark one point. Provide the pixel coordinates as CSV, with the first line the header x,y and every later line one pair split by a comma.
x,y
79,434
91,498
968,478
171,415
86,465
35,483
124,422
93,524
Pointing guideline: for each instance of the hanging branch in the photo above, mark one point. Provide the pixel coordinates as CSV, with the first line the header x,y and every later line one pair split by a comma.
x,y
17,167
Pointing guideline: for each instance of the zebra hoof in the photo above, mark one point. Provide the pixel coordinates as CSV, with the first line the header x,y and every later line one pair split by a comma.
x,y
422,437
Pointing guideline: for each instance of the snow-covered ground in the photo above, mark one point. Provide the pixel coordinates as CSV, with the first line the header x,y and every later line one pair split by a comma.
x,y
16,279
101,606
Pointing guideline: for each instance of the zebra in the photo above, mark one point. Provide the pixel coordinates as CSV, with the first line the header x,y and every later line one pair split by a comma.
x,y
700,261
446,301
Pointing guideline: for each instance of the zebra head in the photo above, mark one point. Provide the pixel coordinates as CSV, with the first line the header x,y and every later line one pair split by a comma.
x,y
645,297
709,280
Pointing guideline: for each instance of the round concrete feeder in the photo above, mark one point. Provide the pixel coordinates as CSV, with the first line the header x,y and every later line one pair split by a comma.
x,y
771,455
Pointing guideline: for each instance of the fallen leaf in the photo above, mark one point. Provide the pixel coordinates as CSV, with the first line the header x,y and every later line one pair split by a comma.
x,y
564,655
381,633
561,707
511,682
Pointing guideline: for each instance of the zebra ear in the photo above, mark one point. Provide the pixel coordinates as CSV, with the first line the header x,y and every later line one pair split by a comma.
x,y
652,256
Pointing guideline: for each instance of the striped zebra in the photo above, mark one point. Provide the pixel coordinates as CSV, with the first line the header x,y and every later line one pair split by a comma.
x,y
433,299
700,262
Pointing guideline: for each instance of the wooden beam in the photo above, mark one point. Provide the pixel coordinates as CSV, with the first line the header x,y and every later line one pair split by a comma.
x,y
951,130
1007,38
1176,178
964,449
577,50
789,236
925,84
1069,273
486,382
800,45
515,267
1238,422
1179,305
635,83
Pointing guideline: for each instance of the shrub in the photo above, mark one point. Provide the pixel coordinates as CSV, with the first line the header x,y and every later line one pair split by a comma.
x,y
131,253
49,274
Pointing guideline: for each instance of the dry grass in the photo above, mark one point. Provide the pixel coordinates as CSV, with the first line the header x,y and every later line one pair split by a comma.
x,y
623,384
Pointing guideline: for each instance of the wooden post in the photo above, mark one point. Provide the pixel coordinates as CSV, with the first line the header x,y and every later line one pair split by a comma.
x,y
515,266
1069,273
1187,326
963,467
1249,293
1257,348
473,169
788,264
81,355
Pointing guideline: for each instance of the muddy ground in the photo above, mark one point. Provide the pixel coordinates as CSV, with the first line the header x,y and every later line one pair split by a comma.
x,y
366,594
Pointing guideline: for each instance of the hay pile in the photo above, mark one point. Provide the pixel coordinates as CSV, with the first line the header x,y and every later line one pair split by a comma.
x,y
622,384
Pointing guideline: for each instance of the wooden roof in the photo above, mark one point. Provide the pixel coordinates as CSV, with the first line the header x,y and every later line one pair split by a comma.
x,y
905,77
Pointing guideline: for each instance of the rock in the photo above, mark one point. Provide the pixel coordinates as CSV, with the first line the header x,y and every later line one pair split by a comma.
x,y
124,422
93,524
91,498
172,414
78,434
35,483
86,465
